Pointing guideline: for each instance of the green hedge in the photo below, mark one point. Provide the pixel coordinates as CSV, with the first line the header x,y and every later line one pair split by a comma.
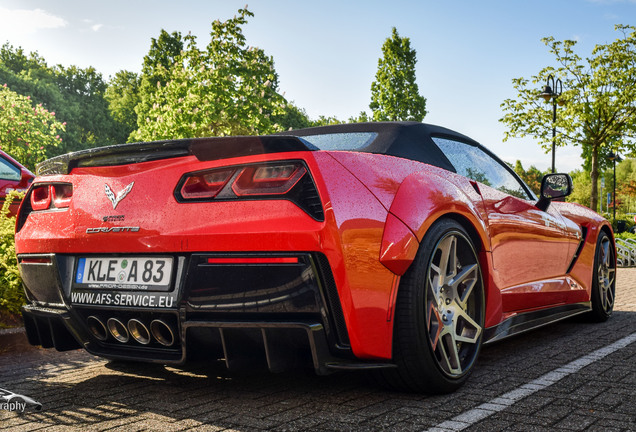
x,y
626,221
625,236
11,293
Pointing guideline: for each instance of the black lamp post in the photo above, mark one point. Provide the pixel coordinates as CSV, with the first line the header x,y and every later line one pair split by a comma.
x,y
548,94
614,157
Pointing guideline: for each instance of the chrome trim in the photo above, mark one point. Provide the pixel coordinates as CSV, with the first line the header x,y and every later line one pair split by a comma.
x,y
97,328
139,331
118,330
162,332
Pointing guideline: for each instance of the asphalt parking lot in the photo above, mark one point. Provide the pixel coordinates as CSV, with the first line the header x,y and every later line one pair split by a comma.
x,y
571,376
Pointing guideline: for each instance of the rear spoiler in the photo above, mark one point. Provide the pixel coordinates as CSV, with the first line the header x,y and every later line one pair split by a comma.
x,y
205,149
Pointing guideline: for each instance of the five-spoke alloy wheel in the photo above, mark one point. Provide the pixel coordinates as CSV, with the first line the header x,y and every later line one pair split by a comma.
x,y
453,308
604,279
439,317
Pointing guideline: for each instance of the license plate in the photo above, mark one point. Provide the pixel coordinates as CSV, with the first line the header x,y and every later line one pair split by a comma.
x,y
124,273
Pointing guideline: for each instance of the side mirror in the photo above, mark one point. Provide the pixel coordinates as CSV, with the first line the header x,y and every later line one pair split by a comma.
x,y
554,186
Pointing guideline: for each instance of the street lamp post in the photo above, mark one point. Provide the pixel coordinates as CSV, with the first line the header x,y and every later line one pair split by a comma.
x,y
548,94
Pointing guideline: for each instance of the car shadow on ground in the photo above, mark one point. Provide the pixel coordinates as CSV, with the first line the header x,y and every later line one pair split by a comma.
x,y
90,391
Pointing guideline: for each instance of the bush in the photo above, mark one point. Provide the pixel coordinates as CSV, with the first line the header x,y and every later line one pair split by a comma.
x,y
625,236
623,222
27,131
11,292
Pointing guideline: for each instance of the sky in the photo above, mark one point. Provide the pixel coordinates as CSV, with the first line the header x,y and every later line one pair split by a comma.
x,y
326,52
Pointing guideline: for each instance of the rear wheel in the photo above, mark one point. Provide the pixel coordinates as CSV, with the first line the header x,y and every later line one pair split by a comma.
x,y
603,279
439,315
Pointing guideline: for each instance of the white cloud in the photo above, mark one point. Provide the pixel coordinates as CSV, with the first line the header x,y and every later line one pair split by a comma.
x,y
92,25
28,21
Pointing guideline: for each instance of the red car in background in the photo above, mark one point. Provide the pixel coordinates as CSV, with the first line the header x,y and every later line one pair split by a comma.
x,y
13,177
394,247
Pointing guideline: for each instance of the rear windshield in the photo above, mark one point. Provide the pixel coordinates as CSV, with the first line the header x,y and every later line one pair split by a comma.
x,y
341,141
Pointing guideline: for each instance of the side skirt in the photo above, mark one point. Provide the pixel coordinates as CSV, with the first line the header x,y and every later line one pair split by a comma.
x,y
526,321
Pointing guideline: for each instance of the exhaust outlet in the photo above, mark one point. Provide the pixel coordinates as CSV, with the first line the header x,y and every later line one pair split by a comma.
x,y
118,330
97,328
139,331
162,332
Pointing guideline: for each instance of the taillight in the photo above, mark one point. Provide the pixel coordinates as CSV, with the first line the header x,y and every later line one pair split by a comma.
x,y
289,180
51,196
41,197
206,184
62,194
268,179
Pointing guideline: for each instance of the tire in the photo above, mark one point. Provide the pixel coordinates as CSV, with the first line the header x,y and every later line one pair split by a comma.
x,y
603,279
439,316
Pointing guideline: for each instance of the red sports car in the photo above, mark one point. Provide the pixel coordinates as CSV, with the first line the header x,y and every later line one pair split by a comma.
x,y
398,247
13,177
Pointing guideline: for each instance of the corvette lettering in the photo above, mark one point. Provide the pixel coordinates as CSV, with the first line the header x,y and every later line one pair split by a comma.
x,y
111,229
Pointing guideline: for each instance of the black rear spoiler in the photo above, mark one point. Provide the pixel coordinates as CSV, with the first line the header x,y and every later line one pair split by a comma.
x,y
205,149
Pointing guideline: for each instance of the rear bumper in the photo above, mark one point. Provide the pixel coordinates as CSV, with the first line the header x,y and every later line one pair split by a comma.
x,y
278,345
244,308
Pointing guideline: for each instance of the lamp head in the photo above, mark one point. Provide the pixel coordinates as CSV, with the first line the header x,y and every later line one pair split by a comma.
x,y
547,93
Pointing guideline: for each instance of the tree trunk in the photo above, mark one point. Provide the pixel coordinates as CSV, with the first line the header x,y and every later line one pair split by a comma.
x,y
594,178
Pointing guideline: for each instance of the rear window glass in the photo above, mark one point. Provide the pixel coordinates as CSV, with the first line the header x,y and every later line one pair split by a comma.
x,y
341,141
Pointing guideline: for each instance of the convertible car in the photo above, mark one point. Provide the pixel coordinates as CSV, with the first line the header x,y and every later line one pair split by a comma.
x,y
398,248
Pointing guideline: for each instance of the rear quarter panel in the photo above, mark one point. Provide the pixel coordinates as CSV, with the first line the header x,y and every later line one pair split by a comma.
x,y
415,195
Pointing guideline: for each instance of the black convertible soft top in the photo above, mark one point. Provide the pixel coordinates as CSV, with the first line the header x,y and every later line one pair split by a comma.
x,y
409,140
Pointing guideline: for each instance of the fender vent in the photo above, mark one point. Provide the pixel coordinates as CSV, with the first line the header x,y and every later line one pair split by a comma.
x,y
331,292
309,200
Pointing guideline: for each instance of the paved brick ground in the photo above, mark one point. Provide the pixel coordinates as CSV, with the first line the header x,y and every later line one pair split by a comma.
x,y
81,392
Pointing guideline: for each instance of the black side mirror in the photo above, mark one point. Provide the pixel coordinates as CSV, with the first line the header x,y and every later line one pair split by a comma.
x,y
554,186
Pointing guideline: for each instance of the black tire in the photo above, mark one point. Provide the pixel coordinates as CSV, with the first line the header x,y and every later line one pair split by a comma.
x,y
603,279
438,321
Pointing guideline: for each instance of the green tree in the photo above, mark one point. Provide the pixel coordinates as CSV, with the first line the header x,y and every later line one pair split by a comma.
x,y
363,117
600,102
26,131
625,171
532,176
123,96
163,54
625,183
90,123
292,118
326,121
394,93
228,88
581,188
76,95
